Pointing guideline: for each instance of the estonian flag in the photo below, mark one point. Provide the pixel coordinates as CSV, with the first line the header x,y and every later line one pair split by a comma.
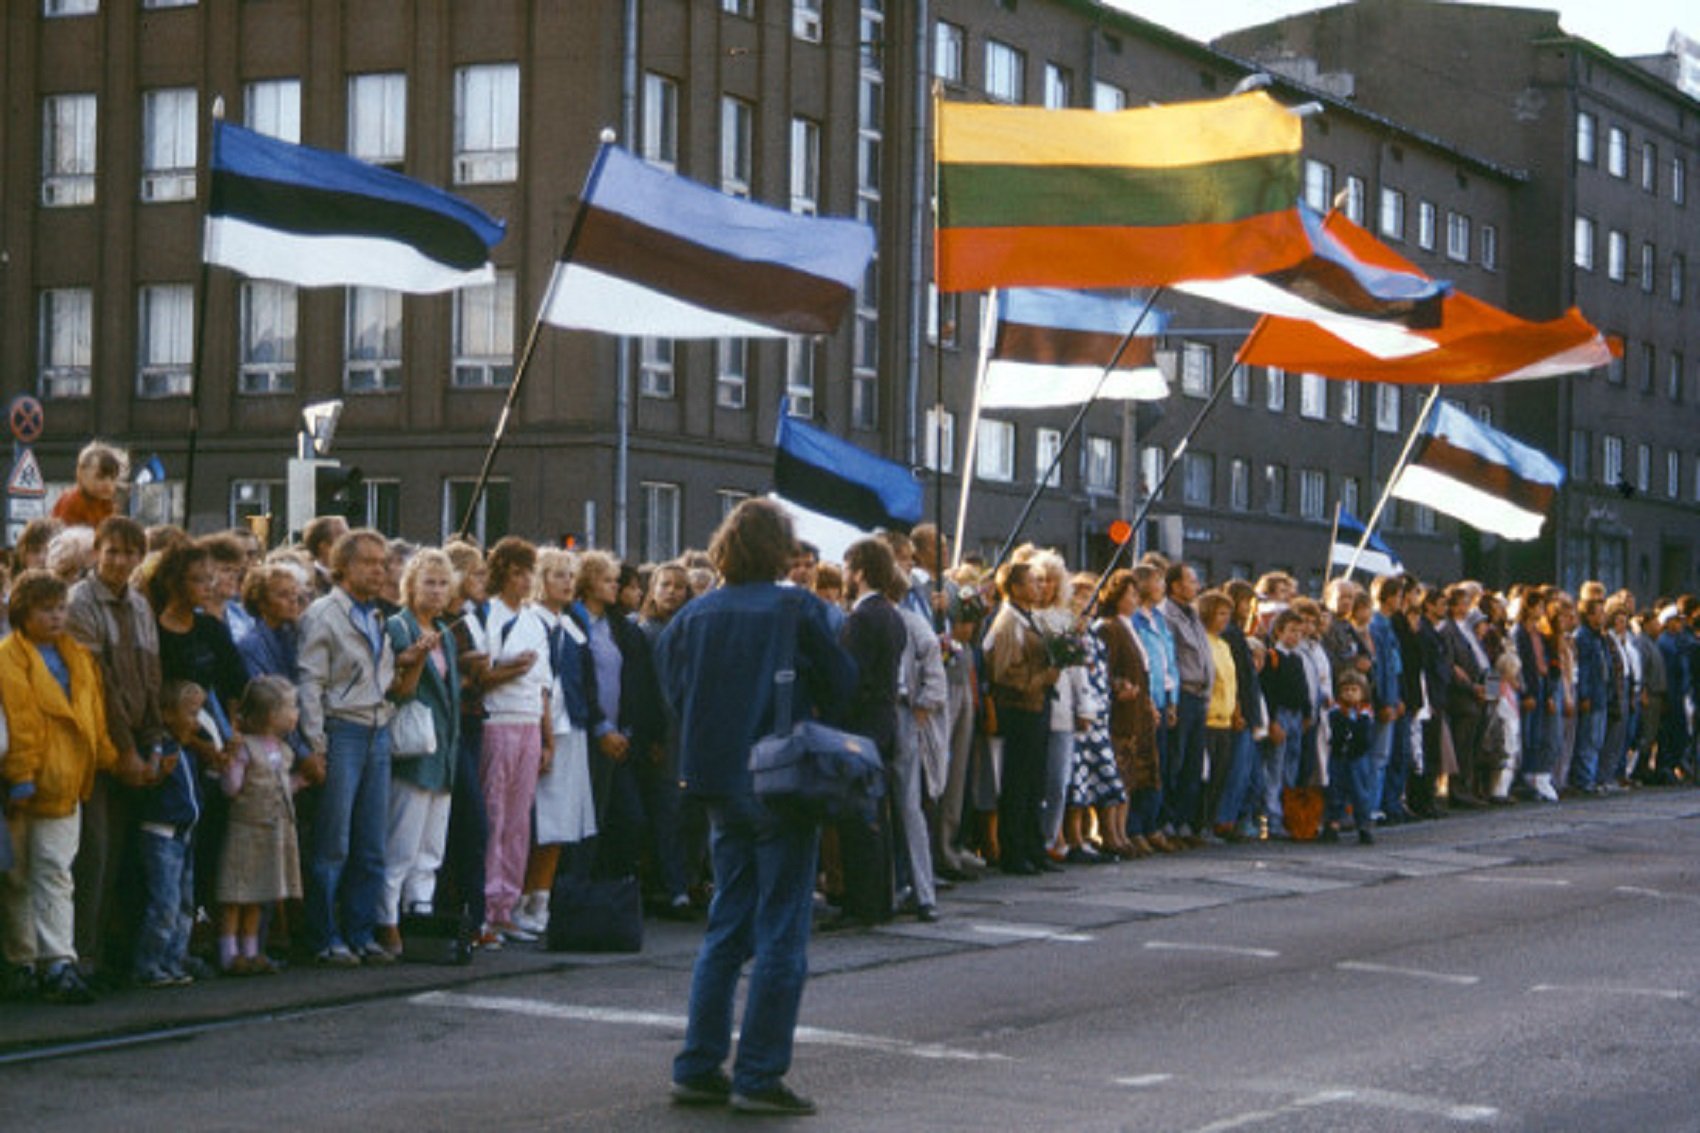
x,y
827,474
150,473
316,218
1052,347
1377,558
656,254
1476,473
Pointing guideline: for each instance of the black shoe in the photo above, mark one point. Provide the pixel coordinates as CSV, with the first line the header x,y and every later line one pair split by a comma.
x,y
927,914
776,1099
1365,838
712,1088
1330,834
1020,869
1045,865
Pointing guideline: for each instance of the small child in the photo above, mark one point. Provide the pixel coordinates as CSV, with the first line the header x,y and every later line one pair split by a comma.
x,y
100,473
167,830
260,865
1502,741
1351,727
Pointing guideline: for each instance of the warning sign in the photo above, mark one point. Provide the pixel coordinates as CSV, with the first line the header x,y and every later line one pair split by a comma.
x,y
26,479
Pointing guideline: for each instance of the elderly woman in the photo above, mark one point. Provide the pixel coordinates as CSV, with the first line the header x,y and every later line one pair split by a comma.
x,y
1133,720
1096,783
272,596
421,781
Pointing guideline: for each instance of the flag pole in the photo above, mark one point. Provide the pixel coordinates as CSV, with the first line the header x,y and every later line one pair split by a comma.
x,y
204,188
531,339
1392,479
1074,428
1333,537
937,566
988,323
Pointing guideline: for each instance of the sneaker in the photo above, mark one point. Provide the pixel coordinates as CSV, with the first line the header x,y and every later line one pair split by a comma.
x,y
337,956
712,1088
63,984
374,953
155,978
531,923
514,934
777,1098
488,941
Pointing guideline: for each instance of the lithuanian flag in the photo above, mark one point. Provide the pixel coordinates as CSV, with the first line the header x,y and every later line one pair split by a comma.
x,y
1129,198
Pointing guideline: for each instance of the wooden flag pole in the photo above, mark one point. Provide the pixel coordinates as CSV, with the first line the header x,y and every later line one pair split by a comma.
x,y
988,325
1392,479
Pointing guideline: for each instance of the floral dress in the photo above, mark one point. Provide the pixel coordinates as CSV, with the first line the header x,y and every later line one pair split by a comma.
x,y
1096,781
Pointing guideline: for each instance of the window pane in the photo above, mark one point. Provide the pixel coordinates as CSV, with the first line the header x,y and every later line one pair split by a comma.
x,y
487,123
372,345
165,340
273,108
377,118
169,144
67,335
68,150
484,333
268,337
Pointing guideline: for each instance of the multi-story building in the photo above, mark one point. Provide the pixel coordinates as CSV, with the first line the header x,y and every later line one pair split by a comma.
x,y
1604,222
643,444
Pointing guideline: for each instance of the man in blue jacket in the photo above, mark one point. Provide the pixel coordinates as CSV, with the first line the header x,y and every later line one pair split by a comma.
x,y
1591,692
1387,697
717,660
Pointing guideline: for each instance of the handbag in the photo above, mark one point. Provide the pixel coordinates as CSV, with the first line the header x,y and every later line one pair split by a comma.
x,y
592,914
1301,812
413,731
809,769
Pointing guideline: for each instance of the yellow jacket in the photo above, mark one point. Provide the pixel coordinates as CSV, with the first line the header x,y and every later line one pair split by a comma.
x,y
1225,691
57,744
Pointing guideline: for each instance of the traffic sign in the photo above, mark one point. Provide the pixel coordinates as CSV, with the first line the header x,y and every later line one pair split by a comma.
x,y
26,508
26,418
26,479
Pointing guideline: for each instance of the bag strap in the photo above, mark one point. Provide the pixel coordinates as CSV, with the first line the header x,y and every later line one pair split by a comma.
x,y
785,668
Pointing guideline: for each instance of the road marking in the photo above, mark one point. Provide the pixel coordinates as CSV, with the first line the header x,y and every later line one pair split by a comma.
x,y
1413,973
817,1036
1639,891
1604,989
1224,949
1346,1095
1490,879
1031,932
1142,1081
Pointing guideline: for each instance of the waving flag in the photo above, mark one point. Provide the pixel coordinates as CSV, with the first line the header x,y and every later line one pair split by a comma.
x,y
1474,341
1474,472
830,475
1377,558
1052,347
316,218
656,254
1130,198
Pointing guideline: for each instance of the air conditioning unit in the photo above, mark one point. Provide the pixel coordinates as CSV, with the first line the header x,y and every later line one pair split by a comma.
x,y
806,25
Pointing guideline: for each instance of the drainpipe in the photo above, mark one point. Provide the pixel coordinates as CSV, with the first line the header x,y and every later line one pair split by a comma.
x,y
623,345
919,201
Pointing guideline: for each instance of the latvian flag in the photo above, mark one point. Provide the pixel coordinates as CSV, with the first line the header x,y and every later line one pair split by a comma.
x,y
1052,347
1474,472
829,475
316,218
656,254
1377,558
1090,199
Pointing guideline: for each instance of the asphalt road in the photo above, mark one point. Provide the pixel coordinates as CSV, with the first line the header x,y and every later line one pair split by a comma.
x,y
1534,969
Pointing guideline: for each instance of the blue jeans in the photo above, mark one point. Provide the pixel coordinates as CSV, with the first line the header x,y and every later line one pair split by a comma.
x,y
1236,777
347,873
1380,755
764,883
1590,738
1349,780
168,872
1183,773
1398,768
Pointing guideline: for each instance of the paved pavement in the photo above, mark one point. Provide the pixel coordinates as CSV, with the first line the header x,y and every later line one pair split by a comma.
x,y
1524,968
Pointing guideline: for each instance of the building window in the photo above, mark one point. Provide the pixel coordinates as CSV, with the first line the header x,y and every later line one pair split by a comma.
x,y
1349,494
1198,479
806,20
744,8
1614,368
1617,152
484,333
1313,493
1319,185
165,340
655,367
168,3
1198,364
1152,461
1611,460
731,372
1313,396
1387,407
487,124
1422,518
1426,221
1392,216
1583,255
1679,180
1275,389
1100,464
1356,199
169,144
1275,489
67,343
864,401
940,438
67,150
1351,398
1673,474
1239,384
1006,72
1108,96
805,166
70,7
660,141
372,346
1649,363
1586,139
1457,236
267,337
1059,87
945,309
1649,167
1649,267
1643,469
737,139
729,499
800,376
377,118
1047,446
253,498
994,451
1490,247
950,49
1678,281
660,521
1239,484
273,108
1581,454
1617,256
489,519
1673,378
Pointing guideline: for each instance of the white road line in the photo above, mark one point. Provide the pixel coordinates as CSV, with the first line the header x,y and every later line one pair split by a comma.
x,y
1640,891
1142,1081
1413,973
817,1036
1031,932
1239,1121
1607,989
1224,949
1491,879
1349,1095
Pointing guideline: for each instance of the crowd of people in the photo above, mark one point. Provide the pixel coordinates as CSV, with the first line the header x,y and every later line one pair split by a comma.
x,y
219,758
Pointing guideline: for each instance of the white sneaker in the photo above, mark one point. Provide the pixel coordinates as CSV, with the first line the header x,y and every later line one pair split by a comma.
x,y
514,933
529,922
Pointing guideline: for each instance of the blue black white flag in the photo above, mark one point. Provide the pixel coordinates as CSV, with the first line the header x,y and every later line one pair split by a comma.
x,y
1377,558
1469,470
828,474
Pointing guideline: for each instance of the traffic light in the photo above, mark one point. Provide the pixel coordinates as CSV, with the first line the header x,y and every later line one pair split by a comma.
x,y
339,490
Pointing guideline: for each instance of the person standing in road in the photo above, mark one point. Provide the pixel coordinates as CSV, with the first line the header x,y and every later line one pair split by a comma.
x,y
717,659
